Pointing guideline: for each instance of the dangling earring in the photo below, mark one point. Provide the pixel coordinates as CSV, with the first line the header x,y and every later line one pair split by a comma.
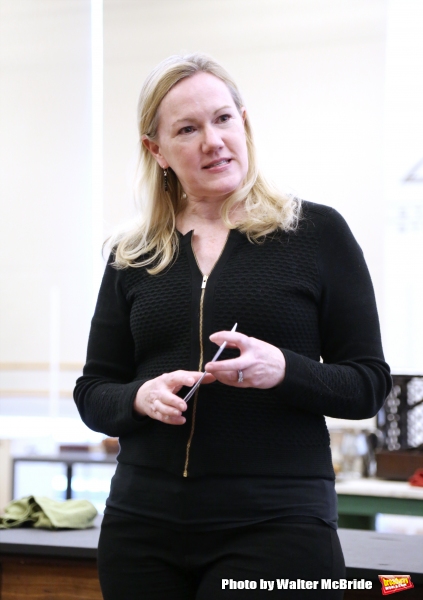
x,y
165,179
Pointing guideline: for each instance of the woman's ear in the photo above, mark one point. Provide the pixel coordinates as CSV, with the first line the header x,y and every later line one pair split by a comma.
x,y
154,150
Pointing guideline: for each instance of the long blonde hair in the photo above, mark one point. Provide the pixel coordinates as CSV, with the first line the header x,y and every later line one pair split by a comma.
x,y
153,240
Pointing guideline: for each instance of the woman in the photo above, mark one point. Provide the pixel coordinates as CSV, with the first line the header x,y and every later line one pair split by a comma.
x,y
237,483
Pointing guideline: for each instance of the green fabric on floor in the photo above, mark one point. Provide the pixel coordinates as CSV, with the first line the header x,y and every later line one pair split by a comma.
x,y
40,511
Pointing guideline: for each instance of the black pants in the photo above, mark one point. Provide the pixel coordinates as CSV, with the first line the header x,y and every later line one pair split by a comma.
x,y
138,561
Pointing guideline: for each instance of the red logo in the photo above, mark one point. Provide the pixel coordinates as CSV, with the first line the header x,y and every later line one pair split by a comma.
x,y
395,583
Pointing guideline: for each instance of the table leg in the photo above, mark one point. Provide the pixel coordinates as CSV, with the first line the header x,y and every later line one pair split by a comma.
x,y
69,481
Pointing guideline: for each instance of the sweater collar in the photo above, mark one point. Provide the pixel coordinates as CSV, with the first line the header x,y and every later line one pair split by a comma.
x,y
184,239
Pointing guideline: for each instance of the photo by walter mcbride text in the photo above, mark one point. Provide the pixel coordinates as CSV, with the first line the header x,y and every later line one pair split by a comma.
x,y
298,584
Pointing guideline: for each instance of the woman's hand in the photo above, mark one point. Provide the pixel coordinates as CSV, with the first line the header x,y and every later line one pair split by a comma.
x,y
157,398
262,365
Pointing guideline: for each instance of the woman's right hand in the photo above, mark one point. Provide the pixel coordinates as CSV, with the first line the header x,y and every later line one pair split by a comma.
x,y
157,397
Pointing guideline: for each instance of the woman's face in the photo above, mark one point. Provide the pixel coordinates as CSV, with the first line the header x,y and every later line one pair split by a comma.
x,y
201,137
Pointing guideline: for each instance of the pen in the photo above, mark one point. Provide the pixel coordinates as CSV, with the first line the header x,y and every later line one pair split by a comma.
x,y
215,357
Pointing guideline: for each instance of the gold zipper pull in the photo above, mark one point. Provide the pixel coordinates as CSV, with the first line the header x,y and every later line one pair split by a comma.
x,y
204,283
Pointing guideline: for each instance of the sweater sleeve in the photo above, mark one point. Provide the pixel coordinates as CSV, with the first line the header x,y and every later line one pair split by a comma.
x,y
105,393
353,380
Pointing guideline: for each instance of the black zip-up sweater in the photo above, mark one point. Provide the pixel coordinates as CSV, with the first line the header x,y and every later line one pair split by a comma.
x,y
307,292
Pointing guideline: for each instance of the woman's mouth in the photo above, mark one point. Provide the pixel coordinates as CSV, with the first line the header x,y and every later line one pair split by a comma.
x,y
218,163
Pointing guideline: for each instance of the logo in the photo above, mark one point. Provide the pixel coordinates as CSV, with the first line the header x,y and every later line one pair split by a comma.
x,y
395,583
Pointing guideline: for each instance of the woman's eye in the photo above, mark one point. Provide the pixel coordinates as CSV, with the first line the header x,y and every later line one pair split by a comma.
x,y
187,129
224,118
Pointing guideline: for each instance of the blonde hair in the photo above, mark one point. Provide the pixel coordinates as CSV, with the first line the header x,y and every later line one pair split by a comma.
x,y
153,240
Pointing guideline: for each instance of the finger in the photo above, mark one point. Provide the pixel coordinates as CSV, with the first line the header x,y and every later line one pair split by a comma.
x,y
181,378
234,338
231,345
232,364
209,378
164,397
231,378
176,421
169,420
171,400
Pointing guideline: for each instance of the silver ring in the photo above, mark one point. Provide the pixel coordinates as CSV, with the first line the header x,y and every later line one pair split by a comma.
x,y
240,376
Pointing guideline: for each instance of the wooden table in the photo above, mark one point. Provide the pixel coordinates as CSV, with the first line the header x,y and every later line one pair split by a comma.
x,y
39,564
359,501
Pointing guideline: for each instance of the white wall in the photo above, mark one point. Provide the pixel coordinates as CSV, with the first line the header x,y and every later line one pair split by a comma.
x,y
403,178
312,74
45,175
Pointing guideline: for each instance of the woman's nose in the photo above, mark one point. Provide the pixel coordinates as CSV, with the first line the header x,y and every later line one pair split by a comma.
x,y
211,139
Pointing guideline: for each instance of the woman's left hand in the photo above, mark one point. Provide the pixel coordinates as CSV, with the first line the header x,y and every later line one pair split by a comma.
x,y
261,364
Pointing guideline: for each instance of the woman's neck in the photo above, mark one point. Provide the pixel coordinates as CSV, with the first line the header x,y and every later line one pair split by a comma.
x,y
203,217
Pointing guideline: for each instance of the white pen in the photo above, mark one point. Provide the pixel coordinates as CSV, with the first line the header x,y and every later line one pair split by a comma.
x,y
215,357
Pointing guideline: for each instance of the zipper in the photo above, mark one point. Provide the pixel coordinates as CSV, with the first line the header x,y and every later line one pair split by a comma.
x,y
200,367
200,362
